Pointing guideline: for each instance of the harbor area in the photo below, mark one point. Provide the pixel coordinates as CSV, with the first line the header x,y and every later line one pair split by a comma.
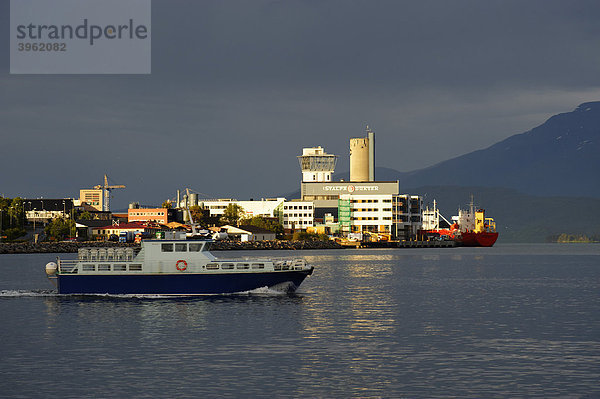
x,y
399,244
73,246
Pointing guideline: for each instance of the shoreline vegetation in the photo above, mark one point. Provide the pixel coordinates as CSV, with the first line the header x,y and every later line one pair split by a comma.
x,y
576,238
72,247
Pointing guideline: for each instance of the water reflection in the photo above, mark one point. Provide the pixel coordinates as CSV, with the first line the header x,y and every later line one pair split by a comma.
x,y
405,323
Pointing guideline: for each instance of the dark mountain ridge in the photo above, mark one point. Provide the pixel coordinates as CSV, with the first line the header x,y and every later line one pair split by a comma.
x,y
561,157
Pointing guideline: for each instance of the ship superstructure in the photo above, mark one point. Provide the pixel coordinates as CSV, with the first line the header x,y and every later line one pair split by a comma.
x,y
469,228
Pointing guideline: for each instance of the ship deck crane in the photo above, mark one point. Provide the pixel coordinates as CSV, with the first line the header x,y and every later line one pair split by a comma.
x,y
106,189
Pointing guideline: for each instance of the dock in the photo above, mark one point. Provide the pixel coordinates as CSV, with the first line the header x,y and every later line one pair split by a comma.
x,y
398,244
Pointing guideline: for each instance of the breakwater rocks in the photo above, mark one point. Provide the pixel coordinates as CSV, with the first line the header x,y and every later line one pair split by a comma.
x,y
249,245
57,247
72,247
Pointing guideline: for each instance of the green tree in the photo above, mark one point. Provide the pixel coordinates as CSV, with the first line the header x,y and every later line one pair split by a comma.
x,y
60,228
4,203
198,214
232,215
15,211
13,233
85,215
304,236
167,204
265,223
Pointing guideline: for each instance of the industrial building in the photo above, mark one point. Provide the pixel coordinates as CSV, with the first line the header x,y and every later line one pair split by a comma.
x,y
269,208
46,209
249,233
118,228
159,215
361,204
396,216
316,164
92,197
97,198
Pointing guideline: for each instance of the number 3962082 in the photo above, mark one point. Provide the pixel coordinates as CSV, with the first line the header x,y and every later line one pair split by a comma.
x,y
42,47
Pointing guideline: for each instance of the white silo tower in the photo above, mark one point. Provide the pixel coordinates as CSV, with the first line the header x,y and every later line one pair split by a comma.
x,y
362,158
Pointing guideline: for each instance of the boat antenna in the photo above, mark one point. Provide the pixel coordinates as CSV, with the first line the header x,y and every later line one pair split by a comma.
x,y
471,205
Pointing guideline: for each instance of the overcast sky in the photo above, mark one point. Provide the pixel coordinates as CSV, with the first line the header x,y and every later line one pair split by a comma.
x,y
239,87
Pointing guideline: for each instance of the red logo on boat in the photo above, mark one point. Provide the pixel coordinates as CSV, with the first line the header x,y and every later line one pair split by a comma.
x,y
181,265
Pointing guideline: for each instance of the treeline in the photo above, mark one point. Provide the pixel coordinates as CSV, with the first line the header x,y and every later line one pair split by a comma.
x,y
13,222
573,238
12,218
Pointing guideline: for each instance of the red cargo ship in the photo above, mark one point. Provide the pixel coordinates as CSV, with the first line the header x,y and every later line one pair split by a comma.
x,y
470,228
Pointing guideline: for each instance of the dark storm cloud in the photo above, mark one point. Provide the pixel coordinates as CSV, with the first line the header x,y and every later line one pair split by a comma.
x,y
238,88
400,44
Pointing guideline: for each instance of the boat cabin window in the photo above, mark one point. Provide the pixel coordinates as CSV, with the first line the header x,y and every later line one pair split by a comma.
x,y
195,247
104,267
119,267
212,266
243,266
166,247
258,265
135,266
227,266
89,268
181,247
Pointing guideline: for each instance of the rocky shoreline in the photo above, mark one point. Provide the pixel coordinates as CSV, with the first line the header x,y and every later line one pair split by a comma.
x,y
72,247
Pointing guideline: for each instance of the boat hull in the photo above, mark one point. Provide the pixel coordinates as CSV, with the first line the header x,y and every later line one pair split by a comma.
x,y
484,239
178,284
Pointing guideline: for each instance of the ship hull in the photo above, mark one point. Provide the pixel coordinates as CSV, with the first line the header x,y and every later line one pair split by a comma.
x,y
485,239
178,284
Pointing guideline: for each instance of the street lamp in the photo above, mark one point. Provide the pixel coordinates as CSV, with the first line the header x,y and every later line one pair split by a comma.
x,y
29,202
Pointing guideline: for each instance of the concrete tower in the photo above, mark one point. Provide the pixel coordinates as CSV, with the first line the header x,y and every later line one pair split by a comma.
x,y
316,165
362,158
371,137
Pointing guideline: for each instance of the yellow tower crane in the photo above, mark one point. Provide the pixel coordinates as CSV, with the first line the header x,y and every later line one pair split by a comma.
x,y
106,188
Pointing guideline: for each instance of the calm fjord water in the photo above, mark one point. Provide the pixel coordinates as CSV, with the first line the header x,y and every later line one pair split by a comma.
x,y
508,321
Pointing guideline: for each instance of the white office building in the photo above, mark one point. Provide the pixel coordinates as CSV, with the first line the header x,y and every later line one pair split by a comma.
x,y
270,207
298,215
398,216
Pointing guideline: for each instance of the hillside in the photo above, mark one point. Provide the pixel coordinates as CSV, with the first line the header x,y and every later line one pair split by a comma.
x,y
561,157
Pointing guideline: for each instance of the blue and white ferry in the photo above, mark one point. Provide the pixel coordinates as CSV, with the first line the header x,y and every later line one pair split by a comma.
x,y
172,266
